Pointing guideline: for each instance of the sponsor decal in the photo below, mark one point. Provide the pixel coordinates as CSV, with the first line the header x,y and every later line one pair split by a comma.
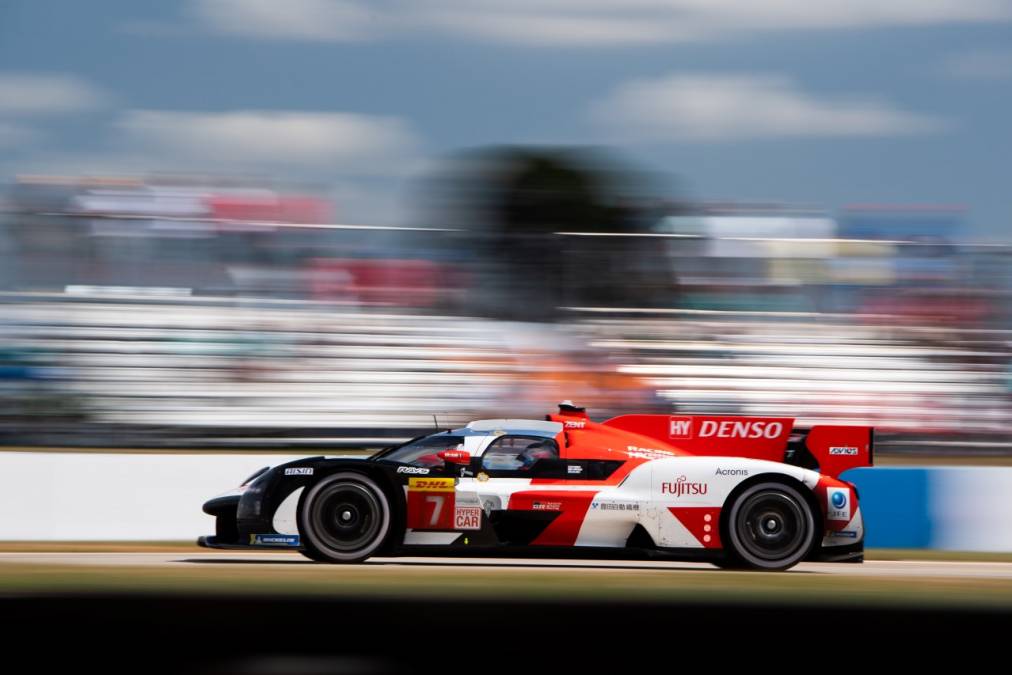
x,y
742,429
731,472
647,453
838,504
430,484
299,471
573,468
842,450
682,486
431,503
274,540
680,427
413,469
575,424
481,477
619,506
847,534
455,455
467,518
547,506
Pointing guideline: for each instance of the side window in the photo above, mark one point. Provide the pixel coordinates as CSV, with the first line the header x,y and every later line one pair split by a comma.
x,y
425,451
518,453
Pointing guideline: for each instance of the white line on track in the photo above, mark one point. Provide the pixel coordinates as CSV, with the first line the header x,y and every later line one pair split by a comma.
x,y
874,568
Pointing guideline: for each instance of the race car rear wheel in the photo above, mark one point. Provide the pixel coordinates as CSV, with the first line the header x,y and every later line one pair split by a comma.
x,y
344,518
770,526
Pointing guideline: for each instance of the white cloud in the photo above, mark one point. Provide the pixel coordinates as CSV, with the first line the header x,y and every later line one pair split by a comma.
x,y
575,22
313,20
37,94
552,29
272,139
980,64
717,107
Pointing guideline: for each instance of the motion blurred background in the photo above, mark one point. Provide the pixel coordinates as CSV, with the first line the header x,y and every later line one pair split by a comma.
x,y
236,230
244,225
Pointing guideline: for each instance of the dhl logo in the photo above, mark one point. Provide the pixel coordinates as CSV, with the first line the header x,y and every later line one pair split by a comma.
x,y
430,484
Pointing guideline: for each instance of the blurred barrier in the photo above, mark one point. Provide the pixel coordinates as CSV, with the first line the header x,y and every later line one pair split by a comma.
x,y
127,497
84,496
946,508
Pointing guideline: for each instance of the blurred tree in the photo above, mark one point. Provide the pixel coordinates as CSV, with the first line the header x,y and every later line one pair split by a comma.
x,y
517,202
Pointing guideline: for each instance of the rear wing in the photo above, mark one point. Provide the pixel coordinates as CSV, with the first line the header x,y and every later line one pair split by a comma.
x,y
830,449
836,448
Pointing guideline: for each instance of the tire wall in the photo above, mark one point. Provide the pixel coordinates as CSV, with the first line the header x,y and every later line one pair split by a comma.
x,y
126,497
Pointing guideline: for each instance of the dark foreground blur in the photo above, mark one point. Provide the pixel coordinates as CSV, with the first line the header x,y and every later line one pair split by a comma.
x,y
218,635
198,312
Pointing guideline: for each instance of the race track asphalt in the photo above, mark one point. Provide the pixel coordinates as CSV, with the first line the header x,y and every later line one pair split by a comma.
x,y
241,562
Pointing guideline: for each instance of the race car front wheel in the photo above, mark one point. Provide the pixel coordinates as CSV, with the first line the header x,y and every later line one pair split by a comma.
x,y
344,518
770,526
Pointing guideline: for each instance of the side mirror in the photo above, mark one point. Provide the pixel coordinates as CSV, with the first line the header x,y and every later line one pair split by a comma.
x,y
455,456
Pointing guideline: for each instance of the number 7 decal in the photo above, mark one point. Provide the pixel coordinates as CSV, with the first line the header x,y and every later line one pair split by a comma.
x,y
437,507
431,502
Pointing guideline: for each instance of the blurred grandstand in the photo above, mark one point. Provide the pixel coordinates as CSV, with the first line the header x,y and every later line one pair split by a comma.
x,y
185,312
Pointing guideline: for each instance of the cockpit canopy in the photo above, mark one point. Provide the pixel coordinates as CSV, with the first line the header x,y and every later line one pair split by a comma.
x,y
504,444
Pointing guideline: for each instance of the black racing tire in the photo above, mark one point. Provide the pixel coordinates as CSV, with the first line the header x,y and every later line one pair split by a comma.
x,y
344,518
729,562
770,526
314,556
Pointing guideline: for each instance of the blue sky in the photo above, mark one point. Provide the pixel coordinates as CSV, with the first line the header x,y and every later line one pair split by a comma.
x,y
819,103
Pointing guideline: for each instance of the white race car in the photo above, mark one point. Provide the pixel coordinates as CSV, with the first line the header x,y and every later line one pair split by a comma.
x,y
735,491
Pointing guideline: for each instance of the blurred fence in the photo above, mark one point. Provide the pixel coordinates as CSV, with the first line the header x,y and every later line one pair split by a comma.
x,y
183,373
139,314
127,371
923,388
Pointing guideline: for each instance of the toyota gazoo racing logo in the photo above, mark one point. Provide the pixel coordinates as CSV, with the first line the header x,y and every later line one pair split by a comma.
x,y
647,453
838,504
682,486
742,429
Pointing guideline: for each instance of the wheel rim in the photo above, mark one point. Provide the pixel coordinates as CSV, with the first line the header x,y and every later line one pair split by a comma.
x,y
346,517
771,525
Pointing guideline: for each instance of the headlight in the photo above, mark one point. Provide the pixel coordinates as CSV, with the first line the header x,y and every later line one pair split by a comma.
x,y
252,499
256,475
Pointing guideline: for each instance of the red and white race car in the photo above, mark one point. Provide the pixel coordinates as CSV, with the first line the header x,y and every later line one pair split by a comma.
x,y
748,492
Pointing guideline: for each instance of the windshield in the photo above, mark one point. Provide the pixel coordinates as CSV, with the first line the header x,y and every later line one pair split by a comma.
x,y
422,452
